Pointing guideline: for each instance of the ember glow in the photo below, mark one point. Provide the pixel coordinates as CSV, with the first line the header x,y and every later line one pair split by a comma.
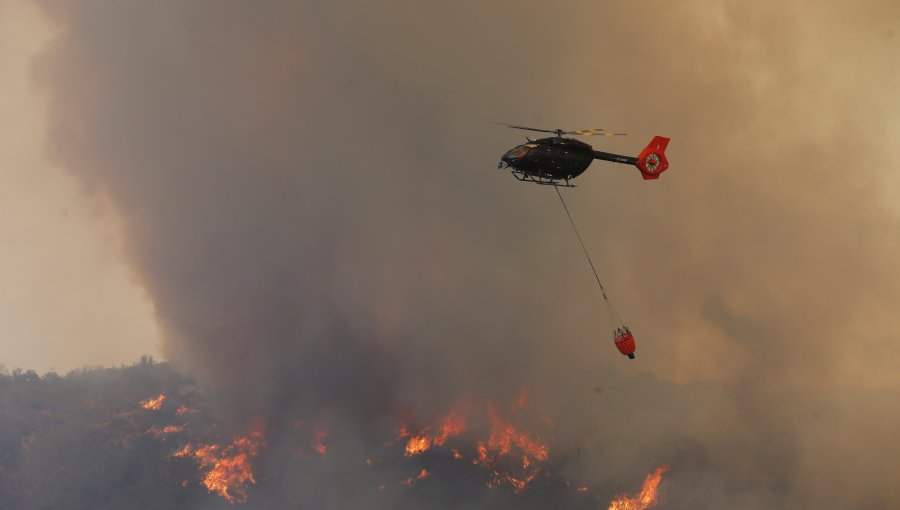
x,y
168,429
228,467
647,497
154,404
318,444
182,410
183,452
409,482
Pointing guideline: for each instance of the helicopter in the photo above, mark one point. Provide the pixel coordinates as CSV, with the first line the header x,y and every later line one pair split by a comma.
x,y
556,160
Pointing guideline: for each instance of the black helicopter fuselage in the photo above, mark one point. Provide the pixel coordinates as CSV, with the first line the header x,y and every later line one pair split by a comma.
x,y
554,158
550,160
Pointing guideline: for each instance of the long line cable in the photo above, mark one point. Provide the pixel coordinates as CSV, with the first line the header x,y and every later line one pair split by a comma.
x,y
609,306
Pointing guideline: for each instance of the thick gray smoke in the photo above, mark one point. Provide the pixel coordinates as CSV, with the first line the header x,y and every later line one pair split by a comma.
x,y
309,198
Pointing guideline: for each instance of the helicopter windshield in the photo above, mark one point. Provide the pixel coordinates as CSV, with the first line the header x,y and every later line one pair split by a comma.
x,y
516,152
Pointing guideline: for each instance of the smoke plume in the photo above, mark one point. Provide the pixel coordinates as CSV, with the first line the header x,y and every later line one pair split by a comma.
x,y
309,197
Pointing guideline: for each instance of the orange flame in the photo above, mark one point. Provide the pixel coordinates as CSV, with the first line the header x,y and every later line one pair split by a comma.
x,y
518,484
504,435
184,452
451,425
228,467
647,496
168,429
483,458
409,482
417,445
153,404
511,456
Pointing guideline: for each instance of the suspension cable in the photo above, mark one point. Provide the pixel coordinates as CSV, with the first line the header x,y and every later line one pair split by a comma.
x,y
609,306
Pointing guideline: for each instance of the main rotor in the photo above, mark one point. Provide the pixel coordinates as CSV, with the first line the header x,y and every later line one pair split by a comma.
x,y
560,132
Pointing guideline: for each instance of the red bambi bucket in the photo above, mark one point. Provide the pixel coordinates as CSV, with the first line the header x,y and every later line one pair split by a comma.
x,y
625,343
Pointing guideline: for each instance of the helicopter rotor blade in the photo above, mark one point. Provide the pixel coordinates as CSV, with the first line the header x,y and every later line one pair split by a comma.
x,y
554,131
594,132
560,132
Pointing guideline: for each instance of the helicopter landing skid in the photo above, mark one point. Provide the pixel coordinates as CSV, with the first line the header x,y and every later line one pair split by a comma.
x,y
544,181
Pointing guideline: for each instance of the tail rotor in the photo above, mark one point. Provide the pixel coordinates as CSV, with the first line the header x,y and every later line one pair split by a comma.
x,y
652,160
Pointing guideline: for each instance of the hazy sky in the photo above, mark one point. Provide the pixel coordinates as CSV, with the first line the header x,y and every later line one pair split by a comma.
x,y
306,193
66,298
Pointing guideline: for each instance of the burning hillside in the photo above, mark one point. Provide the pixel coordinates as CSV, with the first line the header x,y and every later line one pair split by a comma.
x,y
493,441
188,457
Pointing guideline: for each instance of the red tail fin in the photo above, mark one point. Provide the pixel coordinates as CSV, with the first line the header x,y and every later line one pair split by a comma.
x,y
652,160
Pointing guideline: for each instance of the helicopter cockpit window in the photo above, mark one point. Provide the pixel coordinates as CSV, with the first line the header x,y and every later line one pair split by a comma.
x,y
517,152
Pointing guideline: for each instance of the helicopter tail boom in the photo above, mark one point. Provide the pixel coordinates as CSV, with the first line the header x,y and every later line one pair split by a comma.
x,y
615,158
651,161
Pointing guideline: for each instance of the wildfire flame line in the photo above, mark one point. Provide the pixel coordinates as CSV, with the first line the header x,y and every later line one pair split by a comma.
x,y
512,457
646,498
494,453
168,429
